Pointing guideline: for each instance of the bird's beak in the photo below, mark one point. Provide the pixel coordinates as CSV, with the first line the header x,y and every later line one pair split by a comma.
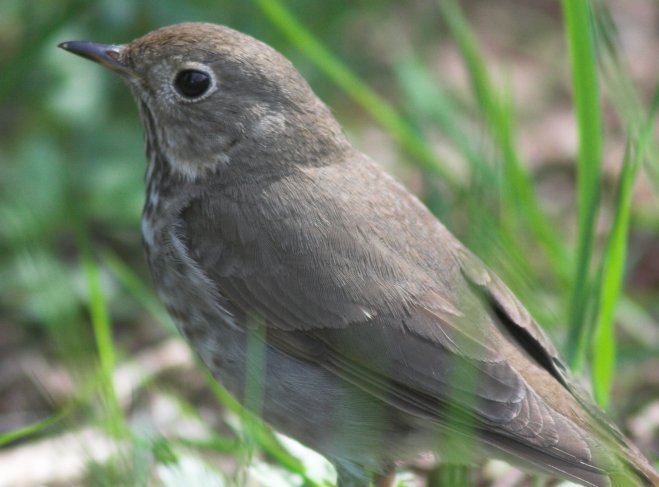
x,y
108,55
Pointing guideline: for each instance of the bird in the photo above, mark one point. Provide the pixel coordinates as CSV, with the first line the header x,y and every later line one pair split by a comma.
x,y
379,335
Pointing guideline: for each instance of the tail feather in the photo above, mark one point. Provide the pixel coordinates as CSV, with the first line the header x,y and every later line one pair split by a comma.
x,y
637,470
541,460
625,469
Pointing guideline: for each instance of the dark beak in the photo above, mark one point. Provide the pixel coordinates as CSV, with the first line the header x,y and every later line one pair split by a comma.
x,y
108,55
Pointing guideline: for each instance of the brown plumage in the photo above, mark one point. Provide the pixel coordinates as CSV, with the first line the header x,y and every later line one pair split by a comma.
x,y
383,336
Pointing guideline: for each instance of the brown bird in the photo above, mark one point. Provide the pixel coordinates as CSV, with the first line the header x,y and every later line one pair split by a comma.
x,y
382,336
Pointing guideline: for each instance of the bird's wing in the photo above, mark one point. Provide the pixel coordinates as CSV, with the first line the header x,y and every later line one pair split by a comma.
x,y
347,301
510,315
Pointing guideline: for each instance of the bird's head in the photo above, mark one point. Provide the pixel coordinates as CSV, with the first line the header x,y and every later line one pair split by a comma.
x,y
208,94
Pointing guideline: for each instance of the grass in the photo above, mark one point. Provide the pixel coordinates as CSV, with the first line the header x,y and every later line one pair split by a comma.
x,y
496,192
100,321
31,430
611,271
516,188
587,105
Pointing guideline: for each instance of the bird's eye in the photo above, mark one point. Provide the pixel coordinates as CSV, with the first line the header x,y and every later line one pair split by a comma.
x,y
192,83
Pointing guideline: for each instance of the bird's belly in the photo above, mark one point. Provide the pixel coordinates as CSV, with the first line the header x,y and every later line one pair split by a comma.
x,y
307,402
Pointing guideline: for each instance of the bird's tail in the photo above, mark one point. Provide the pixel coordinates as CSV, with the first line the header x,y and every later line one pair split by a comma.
x,y
626,471
613,460
636,470
636,476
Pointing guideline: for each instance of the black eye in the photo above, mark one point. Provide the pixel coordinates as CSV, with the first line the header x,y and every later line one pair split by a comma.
x,y
192,83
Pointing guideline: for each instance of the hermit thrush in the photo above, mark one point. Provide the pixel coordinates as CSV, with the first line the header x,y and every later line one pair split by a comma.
x,y
383,336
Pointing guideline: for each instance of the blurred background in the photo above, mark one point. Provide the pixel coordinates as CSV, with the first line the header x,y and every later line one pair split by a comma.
x,y
532,138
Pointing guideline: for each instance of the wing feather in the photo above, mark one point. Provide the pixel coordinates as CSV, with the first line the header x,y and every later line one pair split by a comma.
x,y
420,328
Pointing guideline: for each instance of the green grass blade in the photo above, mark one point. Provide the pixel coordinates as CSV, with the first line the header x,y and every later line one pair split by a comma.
x,y
611,275
497,111
99,313
102,329
520,189
466,42
377,107
583,61
25,431
612,265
